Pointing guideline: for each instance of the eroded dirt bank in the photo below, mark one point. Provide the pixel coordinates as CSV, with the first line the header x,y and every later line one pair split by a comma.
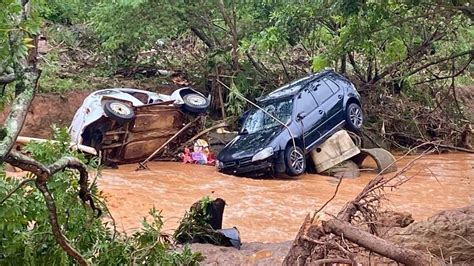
x,y
48,109
269,210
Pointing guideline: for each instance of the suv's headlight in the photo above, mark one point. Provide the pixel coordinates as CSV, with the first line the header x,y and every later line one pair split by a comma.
x,y
219,165
263,154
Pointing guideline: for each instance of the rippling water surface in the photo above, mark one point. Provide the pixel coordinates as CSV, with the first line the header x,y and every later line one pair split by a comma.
x,y
271,210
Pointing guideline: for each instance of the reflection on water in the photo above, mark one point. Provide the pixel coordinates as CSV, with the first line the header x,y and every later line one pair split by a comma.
x,y
272,210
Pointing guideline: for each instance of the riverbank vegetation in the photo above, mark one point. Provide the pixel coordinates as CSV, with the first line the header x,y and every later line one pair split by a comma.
x,y
410,60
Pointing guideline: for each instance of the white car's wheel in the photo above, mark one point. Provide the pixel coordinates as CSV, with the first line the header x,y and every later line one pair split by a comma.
x,y
195,103
118,111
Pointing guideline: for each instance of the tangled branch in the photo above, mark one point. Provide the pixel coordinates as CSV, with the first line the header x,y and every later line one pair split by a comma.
x,y
43,174
343,235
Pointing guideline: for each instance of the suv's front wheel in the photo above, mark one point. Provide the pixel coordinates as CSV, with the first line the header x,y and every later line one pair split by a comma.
x,y
295,160
354,117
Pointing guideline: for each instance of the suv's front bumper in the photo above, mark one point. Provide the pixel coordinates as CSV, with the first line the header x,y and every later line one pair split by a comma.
x,y
245,166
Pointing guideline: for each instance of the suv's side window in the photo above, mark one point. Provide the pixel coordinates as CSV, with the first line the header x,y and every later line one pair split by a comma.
x,y
334,87
321,91
341,81
305,102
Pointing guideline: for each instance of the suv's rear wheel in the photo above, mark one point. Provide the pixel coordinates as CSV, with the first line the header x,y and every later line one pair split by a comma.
x,y
295,161
354,117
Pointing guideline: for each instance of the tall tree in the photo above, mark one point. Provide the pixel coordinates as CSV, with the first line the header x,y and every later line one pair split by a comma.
x,y
19,64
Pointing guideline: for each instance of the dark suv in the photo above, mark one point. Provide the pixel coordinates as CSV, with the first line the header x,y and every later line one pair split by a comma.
x,y
309,111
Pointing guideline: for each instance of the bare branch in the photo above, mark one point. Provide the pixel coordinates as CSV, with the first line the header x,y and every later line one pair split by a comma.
x,y
449,76
375,244
203,37
43,173
469,52
26,163
329,200
74,163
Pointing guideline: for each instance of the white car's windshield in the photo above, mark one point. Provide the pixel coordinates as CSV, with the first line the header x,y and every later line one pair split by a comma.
x,y
258,120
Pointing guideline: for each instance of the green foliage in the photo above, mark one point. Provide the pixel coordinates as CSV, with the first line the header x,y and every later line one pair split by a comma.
x,y
128,27
235,104
66,11
195,227
319,63
54,78
9,25
25,232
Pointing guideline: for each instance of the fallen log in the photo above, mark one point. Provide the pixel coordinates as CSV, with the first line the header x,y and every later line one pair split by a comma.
x,y
72,145
373,243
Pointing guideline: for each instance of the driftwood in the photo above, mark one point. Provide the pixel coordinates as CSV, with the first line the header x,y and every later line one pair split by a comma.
x,y
72,145
354,229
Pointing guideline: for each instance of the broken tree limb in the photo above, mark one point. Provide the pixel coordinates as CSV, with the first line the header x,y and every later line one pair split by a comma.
x,y
72,145
43,173
356,224
216,126
142,165
56,228
301,247
375,244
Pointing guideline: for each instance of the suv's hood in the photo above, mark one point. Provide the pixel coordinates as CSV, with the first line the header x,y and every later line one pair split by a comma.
x,y
247,145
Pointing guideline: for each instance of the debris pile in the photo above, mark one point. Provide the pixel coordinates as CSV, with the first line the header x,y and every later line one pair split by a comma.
x,y
203,224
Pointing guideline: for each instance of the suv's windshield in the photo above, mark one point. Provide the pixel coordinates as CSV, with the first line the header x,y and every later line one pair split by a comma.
x,y
258,120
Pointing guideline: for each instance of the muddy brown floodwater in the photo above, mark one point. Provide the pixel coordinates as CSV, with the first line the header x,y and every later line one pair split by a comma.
x,y
271,210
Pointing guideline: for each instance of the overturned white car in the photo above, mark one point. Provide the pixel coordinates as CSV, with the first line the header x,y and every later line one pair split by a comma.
x,y
113,109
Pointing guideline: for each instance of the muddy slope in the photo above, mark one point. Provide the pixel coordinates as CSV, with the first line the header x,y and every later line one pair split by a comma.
x,y
49,109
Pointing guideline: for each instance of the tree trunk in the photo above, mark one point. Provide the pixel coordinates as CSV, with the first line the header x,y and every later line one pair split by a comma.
x,y
375,244
231,23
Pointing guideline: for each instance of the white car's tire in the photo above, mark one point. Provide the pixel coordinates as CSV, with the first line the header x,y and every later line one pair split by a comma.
x,y
118,111
195,103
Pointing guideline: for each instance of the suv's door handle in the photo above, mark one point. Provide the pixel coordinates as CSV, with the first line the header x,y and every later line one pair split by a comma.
x,y
339,96
320,112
